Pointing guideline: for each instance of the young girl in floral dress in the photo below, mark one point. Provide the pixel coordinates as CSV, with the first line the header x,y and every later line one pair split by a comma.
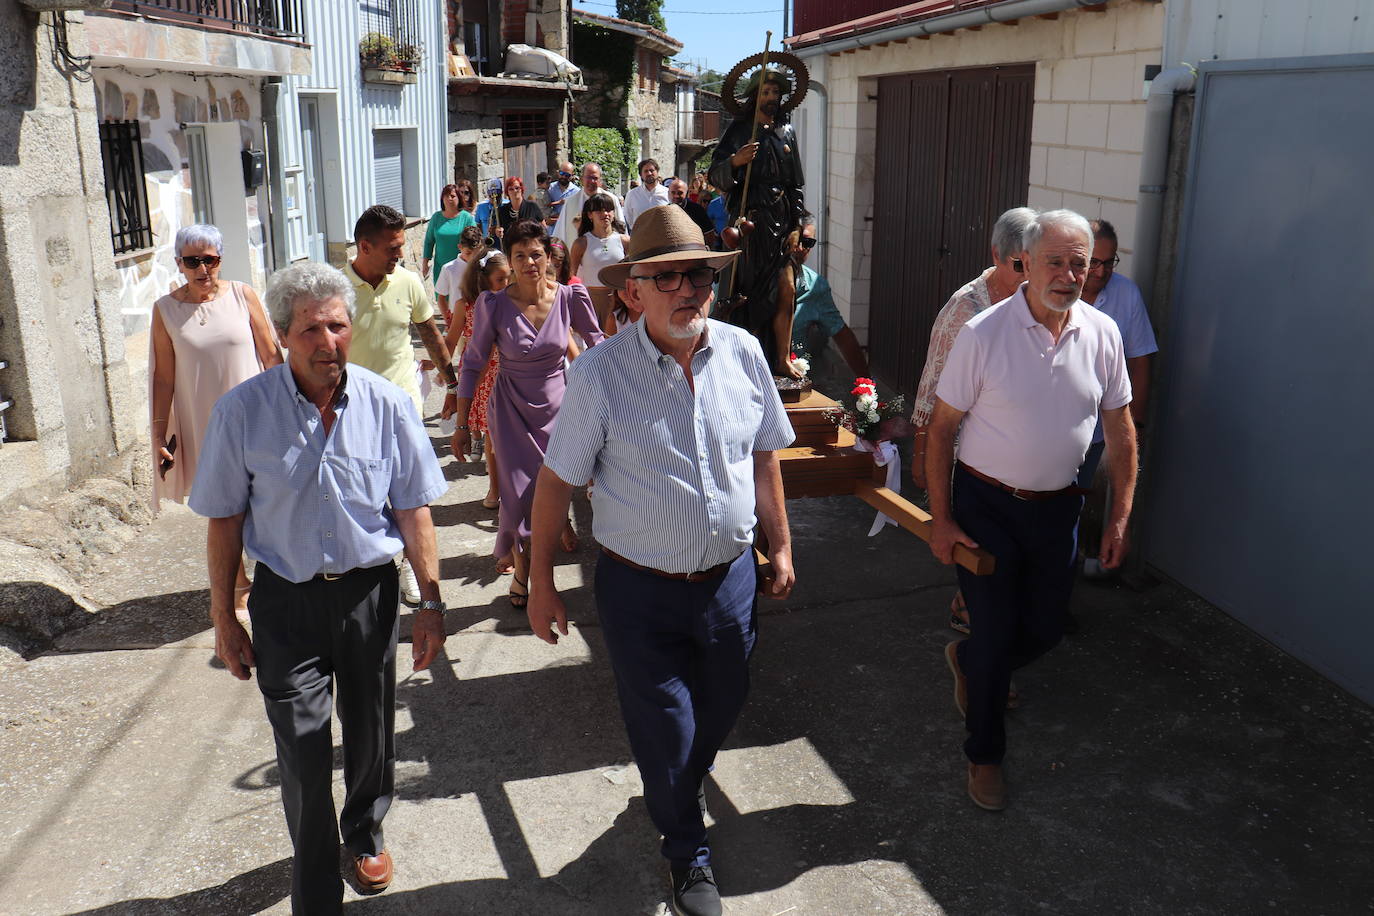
x,y
487,271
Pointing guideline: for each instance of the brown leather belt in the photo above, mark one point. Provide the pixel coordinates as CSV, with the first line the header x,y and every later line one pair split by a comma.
x,y
702,575
1029,495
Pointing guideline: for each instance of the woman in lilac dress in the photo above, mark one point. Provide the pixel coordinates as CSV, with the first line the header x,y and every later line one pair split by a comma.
x,y
528,322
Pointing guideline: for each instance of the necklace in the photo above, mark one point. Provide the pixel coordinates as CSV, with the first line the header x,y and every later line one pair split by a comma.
x,y
202,314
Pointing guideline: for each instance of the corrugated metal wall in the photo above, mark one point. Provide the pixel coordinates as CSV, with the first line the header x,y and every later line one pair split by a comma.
x,y
334,30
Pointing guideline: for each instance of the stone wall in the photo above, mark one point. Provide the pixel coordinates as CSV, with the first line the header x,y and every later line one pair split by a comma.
x,y
162,102
475,145
60,328
659,118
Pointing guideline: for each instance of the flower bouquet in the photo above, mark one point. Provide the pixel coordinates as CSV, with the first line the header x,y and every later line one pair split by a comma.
x,y
870,419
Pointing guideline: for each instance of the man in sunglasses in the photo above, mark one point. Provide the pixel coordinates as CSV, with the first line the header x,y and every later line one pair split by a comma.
x,y
678,422
677,194
561,188
816,320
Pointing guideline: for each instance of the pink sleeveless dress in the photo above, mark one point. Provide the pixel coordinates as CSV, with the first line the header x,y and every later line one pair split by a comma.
x,y
213,342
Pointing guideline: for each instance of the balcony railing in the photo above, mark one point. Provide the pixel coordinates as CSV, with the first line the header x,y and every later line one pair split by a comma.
x,y
273,18
698,125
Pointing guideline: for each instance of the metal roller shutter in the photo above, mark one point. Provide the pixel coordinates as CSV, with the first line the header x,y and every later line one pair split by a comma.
x,y
386,168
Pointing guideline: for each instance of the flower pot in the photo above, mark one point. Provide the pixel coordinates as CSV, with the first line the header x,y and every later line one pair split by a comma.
x,y
376,76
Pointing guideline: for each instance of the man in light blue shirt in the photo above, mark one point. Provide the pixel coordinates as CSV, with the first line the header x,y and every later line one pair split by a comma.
x,y
1117,297
678,421
322,473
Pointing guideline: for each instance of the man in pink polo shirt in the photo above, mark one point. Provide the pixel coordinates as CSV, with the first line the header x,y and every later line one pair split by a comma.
x,y
1026,378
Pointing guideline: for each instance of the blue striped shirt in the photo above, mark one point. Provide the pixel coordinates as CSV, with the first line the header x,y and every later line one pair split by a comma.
x,y
674,468
316,503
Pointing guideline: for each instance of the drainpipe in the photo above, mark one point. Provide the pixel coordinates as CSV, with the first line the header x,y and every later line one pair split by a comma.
x,y
271,126
1002,12
1154,163
823,217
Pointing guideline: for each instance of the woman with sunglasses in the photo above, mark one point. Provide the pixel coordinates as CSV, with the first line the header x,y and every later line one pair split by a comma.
x,y
207,336
600,245
456,203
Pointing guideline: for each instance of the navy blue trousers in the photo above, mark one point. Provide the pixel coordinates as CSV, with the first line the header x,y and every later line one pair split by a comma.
x,y
1017,613
680,652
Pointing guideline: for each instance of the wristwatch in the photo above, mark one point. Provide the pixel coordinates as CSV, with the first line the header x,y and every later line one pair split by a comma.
x,y
433,606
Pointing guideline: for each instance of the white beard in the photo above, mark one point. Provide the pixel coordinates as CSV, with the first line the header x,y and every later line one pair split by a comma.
x,y
687,331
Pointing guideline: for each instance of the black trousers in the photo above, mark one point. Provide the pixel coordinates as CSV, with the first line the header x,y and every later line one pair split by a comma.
x,y
307,638
1017,613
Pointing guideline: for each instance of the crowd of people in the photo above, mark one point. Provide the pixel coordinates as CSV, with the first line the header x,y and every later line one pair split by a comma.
x,y
575,346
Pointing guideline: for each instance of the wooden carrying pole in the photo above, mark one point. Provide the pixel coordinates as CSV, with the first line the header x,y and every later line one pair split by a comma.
x,y
916,520
749,169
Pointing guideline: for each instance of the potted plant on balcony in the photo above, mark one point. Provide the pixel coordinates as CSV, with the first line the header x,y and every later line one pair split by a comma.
x,y
385,63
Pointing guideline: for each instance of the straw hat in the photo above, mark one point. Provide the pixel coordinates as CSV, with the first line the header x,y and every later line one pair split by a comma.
x,y
663,235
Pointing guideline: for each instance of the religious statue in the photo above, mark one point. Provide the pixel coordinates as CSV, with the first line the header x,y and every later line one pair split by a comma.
x,y
758,168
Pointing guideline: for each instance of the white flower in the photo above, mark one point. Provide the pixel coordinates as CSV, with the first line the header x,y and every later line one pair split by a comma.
x,y
873,416
865,401
801,364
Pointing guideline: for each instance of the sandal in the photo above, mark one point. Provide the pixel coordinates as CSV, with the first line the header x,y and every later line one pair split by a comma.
x,y
958,614
518,600
489,503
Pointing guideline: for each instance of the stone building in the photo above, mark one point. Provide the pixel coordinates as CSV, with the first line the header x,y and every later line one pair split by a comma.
x,y
633,87
67,407
504,119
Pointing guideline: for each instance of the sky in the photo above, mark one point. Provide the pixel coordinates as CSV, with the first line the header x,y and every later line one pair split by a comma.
x,y
714,33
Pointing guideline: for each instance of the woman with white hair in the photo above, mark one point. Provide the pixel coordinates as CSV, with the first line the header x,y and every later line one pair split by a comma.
x,y
208,335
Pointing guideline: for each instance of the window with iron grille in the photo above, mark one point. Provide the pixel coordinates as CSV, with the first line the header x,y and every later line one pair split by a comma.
x,y
391,34
524,125
125,189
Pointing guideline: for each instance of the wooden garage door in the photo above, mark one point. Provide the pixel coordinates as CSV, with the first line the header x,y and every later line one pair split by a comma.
x,y
953,153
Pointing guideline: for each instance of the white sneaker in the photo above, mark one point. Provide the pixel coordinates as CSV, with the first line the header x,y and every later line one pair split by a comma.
x,y
410,588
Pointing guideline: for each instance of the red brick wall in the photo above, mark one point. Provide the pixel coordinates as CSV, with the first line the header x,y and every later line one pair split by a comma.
x,y
513,21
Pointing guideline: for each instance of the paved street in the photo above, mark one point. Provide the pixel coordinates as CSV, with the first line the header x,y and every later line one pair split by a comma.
x,y
1166,760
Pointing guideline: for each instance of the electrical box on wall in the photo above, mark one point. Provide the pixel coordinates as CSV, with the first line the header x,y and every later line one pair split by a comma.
x,y
254,169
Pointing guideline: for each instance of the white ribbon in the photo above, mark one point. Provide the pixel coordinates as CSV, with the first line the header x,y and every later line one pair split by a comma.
x,y
884,455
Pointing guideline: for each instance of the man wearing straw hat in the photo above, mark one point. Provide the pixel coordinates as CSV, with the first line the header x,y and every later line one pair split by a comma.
x,y
677,421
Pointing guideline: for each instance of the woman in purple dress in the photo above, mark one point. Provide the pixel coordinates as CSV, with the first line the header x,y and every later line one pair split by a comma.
x,y
528,322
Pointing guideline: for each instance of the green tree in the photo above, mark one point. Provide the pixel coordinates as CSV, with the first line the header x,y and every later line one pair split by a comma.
x,y
649,12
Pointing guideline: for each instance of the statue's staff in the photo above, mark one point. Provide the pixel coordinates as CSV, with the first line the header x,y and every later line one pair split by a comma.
x,y
749,169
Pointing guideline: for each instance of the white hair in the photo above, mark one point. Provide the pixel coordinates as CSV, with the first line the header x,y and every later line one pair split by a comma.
x,y
310,282
199,234
1008,230
1062,219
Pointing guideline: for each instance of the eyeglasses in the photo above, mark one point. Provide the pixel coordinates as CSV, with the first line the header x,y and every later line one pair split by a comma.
x,y
194,261
1109,263
807,243
670,281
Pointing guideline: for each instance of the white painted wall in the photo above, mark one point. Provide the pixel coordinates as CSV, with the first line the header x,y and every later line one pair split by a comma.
x,y
1200,30
162,101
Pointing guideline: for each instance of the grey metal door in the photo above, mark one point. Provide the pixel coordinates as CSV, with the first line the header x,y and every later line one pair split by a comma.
x,y
1260,498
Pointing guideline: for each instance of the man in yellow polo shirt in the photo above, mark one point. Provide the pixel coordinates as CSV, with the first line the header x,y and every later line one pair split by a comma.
x,y
390,300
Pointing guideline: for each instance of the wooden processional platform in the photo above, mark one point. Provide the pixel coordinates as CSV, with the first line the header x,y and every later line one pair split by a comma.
x,y
824,462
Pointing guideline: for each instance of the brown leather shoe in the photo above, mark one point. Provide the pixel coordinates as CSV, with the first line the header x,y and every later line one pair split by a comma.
x,y
985,786
374,873
960,684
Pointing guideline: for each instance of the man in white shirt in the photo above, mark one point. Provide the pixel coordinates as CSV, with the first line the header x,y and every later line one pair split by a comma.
x,y
567,226
1026,379
652,193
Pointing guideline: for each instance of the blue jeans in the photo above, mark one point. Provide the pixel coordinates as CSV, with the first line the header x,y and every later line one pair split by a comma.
x,y
680,652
